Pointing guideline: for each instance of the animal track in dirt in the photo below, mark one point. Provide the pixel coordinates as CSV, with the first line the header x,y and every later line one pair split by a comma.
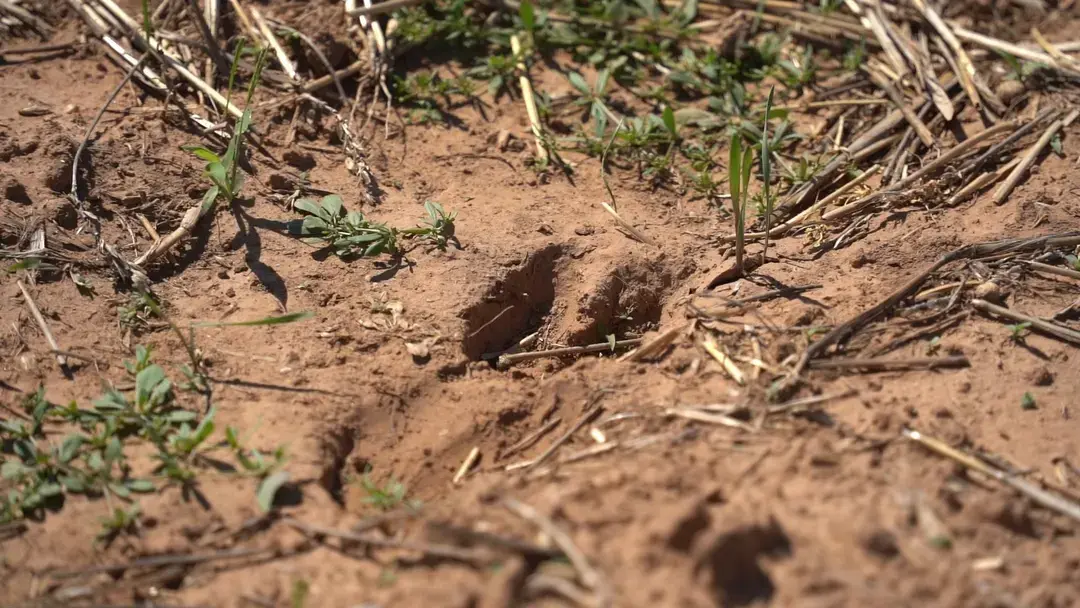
x,y
613,294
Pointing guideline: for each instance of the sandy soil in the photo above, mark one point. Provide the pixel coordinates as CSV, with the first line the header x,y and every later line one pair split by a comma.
x,y
823,507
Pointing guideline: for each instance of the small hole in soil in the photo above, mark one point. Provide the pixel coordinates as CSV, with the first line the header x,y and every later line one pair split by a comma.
x,y
515,306
629,299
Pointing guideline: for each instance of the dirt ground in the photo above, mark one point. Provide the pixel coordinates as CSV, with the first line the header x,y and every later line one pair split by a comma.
x,y
826,506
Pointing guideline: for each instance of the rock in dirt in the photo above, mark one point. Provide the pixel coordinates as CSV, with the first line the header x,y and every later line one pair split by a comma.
x,y
16,192
1008,90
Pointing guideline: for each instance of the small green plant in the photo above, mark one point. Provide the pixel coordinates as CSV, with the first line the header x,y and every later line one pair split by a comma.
x,y
92,460
388,497
592,99
351,233
739,166
766,174
224,171
1018,332
1027,402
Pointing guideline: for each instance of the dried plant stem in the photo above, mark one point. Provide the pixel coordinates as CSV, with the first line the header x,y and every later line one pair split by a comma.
x,y
654,346
1031,156
93,125
508,360
725,361
1046,499
26,17
980,182
1063,333
207,34
530,100
588,575
1010,48
909,115
245,21
466,465
271,39
42,325
381,8
627,226
530,439
883,365
443,551
966,74
1061,272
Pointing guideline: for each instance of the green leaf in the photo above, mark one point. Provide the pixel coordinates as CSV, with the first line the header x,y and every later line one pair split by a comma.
x,y
219,175
309,206
202,152
73,483
602,81
579,83
280,320
1055,144
146,381
528,16
120,490
269,488
179,416
332,205
209,199
50,488
747,168
668,116
114,450
313,226
142,486
12,469
244,123
735,170
1027,402
70,447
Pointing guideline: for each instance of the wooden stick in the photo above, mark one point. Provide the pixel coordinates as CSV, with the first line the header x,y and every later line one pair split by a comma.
x,y
709,417
530,100
980,182
1031,156
1063,333
45,48
61,359
1047,499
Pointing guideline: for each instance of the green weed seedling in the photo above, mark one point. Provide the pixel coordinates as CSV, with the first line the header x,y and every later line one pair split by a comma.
x,y
224,171
350,233
592,99
1018,332
388,497
740,164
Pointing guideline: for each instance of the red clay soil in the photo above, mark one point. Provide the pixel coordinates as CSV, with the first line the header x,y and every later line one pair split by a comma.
x,y
826,508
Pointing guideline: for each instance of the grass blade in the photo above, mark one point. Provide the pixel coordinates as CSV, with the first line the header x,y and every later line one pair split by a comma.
x,y
281,320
